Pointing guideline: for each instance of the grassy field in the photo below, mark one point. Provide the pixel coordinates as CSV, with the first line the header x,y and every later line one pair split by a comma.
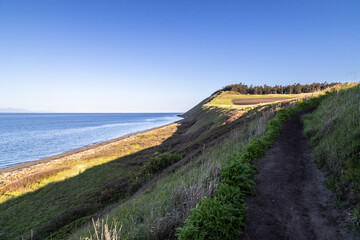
x,y
224,215
219,108
85,187
56,205
225,98
109,185
334,129
200,188
30,179
157,212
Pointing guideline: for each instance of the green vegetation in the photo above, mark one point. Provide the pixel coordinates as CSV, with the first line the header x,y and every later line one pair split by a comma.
x,y
224,216
56,171
197,172
158,162
58,204
225,98
278,89
37,181
334,129
157,212
221,176
65,200
207,119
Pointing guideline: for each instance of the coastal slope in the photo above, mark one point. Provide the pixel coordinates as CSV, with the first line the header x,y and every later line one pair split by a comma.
x,y
145,185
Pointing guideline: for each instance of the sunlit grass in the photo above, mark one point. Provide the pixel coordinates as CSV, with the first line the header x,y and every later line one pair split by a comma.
x,y
77,165
75,170
224,99
68,199
156,213
70,196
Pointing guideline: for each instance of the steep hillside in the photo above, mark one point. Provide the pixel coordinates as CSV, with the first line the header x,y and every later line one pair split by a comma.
x,y
55,200
147,184
292,201
212,137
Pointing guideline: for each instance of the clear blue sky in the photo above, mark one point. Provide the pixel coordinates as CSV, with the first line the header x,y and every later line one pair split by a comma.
x,y
166,56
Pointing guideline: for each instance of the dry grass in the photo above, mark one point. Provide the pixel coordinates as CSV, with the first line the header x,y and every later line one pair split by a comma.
x,y
21,181
104,231
156,213
225,99
152,214
28,181
81,187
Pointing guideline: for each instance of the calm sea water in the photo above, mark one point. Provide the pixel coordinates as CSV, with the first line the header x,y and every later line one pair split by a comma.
x,y
26,137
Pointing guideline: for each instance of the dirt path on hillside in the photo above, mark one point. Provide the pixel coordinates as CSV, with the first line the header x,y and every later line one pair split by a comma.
x,y
292,202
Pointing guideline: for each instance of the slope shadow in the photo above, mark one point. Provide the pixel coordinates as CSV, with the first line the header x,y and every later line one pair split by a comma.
x,y
71,203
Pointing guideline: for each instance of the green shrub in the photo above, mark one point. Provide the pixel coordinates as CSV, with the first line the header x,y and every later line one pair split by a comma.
x,y
157,163
239,176
216,218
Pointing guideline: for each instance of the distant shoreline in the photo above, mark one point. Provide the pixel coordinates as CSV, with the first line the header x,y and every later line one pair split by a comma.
x,y
77,151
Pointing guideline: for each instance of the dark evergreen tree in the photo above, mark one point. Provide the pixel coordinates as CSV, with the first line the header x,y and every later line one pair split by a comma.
x,y
278,89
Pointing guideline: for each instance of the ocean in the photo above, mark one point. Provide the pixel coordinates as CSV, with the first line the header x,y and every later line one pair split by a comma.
x,y
27,137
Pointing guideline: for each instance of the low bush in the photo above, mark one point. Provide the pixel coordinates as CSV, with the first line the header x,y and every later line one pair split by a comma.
x,y
157,163
216,218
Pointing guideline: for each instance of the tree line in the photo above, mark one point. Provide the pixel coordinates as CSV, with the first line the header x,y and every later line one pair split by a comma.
x,y
278,89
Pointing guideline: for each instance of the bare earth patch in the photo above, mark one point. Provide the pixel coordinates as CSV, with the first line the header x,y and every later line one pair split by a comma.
x,y
255,101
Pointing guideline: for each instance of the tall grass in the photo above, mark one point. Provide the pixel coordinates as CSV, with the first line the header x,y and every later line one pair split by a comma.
x,y
39,176
104,231
334,129
54,203
224,215
211,189
156,213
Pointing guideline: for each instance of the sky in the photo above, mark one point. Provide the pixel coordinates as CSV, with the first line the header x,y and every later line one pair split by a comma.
x,y
166,56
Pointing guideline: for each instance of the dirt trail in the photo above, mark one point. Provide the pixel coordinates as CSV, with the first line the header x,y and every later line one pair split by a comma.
x,y
292,202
